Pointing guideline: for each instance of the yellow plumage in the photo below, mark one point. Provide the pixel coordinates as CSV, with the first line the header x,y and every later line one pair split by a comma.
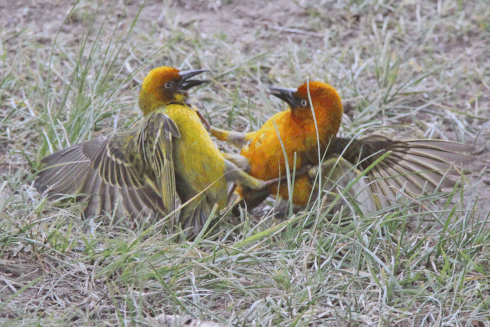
x,y
137,173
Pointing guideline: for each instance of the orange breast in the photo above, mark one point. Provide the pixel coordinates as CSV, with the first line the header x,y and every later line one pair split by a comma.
x,y
299,137
299,132
265,153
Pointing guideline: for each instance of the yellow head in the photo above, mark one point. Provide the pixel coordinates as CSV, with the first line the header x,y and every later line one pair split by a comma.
x,y
164,85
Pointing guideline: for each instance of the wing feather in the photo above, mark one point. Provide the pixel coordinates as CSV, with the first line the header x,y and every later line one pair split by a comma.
x,y
413,166
132,171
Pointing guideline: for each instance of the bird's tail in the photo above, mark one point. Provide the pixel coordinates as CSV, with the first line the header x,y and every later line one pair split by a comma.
x,y
195,214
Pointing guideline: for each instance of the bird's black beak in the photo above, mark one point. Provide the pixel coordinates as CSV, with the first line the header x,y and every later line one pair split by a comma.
x,y
186,82
285,95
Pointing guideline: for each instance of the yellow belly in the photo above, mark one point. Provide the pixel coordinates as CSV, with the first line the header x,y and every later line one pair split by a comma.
x,y
197,159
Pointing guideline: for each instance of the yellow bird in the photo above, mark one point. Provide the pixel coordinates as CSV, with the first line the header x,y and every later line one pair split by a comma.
x,y
137,173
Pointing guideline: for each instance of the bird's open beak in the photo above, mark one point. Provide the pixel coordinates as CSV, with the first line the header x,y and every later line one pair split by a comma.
x,y
186,82
285,95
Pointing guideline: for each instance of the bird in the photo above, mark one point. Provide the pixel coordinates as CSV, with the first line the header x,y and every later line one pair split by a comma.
x,y
306,134
137,173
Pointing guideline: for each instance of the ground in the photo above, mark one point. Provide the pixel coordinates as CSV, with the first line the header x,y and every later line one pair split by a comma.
x,y
71,71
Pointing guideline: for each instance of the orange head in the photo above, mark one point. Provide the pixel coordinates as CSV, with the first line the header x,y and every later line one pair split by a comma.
x,y
164,85
325,101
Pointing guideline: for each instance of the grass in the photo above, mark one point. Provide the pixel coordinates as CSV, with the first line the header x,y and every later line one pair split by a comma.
x,y
404,69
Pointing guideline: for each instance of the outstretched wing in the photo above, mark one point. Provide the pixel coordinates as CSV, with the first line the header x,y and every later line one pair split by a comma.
x,y
131,173
412,166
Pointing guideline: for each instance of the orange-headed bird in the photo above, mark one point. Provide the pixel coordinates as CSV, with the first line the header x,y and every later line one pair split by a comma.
x,y
308,131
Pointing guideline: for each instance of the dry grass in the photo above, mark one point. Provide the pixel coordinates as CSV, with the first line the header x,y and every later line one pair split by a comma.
x,y
420,66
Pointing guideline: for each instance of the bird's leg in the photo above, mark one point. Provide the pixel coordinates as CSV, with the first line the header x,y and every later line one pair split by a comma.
x,y
253,199
223,135
235,174
235,138
239,160
259,187
238,176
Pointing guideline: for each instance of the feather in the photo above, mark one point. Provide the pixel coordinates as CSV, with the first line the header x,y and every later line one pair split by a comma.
x,y
109,175
414,167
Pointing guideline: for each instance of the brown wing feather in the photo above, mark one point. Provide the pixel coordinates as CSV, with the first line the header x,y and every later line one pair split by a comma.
x,y
413,166
112,175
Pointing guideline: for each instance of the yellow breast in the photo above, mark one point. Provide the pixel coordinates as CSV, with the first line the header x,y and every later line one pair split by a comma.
x,y
197,159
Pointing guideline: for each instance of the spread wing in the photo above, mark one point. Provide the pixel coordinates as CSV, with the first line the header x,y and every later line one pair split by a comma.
x,y
412,166
130,173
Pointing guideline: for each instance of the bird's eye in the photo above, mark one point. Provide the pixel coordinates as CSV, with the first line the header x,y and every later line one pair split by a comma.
x,y
304,103
169,85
